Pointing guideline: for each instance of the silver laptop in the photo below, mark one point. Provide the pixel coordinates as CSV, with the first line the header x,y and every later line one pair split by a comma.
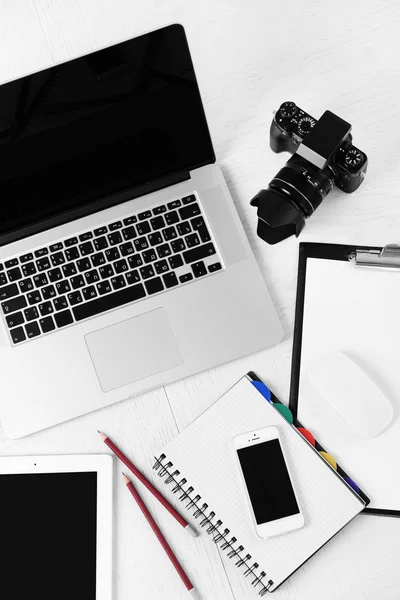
x,y
123,263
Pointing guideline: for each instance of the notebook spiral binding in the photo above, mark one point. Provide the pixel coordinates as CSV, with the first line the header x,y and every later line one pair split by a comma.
x,y
214,526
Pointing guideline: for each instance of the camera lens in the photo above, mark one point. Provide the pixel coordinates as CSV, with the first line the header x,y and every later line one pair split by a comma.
x,y
291,197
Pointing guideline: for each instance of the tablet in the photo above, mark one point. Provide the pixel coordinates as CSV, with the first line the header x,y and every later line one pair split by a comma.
x,y
56,527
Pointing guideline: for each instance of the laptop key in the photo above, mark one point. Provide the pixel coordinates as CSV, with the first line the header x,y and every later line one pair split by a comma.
x,y
170,280
108,302
149,256
55,274
72,253
147,272
32,330
1,267
204,235
161,267
214,267
106,271
55,247
135,261
98,259
28,269
91,276
175,261
63,318
26,257
126,249
114,226
88,235
13,305
187,212
144,228
157,223
118,282
188,199
155,239
70,242
48,292
47,324
45,308
192,240
63,287
15,319
199,269
3,279
11,263
89,292
112,254
196,254
18,335
170,234
43,264
174,204
86,248
69,269
172,218
101,243
114,238
120,266
163,251
76,282
57,259
154,285
41,252
25,285
132,277
9,291
159,209
40,280
144,215
130,220
129,233
34,297
186,277
31,313
75,298
83,265
14,274
141,244
178,245
103,287
184,228
100,231
60,303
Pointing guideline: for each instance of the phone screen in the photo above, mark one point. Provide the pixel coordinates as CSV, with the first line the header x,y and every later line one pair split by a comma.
x,y
268,482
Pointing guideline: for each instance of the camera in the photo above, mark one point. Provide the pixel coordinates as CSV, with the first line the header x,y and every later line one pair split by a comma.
x,y
323,156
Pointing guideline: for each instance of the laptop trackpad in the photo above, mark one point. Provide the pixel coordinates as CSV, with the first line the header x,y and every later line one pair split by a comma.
x,y
133,349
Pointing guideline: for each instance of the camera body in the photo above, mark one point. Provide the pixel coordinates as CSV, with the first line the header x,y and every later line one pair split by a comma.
x,y
323,157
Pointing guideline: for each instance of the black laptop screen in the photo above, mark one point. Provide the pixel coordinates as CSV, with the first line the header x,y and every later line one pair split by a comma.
x,y
100,124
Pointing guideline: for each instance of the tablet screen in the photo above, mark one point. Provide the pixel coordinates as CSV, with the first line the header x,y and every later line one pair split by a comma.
x,y
48,535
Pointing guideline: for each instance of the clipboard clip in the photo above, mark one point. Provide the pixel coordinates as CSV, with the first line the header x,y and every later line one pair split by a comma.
x,y
386,258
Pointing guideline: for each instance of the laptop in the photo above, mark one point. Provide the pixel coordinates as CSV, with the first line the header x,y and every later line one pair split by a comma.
x,y
123,263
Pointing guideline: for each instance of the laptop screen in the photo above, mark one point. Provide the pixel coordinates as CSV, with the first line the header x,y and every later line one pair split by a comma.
x,y
100,124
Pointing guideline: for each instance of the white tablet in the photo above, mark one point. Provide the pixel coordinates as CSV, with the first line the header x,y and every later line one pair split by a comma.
x,y
56,527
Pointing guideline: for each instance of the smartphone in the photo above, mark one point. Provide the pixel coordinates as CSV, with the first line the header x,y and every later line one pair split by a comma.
x,y
269,488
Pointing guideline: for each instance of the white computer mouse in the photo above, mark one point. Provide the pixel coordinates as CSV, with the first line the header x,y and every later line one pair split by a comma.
x,y
351,393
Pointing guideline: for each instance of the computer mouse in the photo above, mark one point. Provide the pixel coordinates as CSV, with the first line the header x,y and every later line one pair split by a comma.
x,y
351,393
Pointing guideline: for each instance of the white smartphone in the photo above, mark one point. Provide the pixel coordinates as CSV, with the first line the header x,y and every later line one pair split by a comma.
x,y
269,488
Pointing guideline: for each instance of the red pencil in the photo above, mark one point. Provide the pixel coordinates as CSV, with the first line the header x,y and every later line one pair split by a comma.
x,y
147,483
161,539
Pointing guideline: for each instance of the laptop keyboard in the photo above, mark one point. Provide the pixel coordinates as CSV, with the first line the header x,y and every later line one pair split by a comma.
x,y
121,262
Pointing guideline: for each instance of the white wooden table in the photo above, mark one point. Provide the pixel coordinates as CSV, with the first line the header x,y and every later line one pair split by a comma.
x,y
250,55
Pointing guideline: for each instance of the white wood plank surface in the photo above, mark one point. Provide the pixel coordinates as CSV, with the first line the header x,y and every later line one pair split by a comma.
x,y
249,57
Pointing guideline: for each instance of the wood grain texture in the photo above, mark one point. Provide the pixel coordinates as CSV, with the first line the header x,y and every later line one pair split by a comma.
x,y
249,57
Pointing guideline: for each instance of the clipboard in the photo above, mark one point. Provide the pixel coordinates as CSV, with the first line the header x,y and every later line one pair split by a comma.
x,y
348,299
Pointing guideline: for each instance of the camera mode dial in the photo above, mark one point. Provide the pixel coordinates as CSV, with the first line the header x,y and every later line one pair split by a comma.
x,y
288,109
305,125
353,158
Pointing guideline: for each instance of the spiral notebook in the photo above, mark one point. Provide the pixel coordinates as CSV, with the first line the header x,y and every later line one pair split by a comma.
x,y
201,469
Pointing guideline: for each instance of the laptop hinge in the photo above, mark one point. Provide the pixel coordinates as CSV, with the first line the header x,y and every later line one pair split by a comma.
x,y
94,207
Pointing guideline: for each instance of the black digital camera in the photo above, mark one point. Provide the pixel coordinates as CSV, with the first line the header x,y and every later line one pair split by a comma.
x,y
323,156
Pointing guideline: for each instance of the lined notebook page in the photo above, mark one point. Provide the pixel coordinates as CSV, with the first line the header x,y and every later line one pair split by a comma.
x,y
204,455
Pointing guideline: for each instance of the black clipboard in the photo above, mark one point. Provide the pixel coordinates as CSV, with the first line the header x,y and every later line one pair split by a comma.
x,y
339,252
